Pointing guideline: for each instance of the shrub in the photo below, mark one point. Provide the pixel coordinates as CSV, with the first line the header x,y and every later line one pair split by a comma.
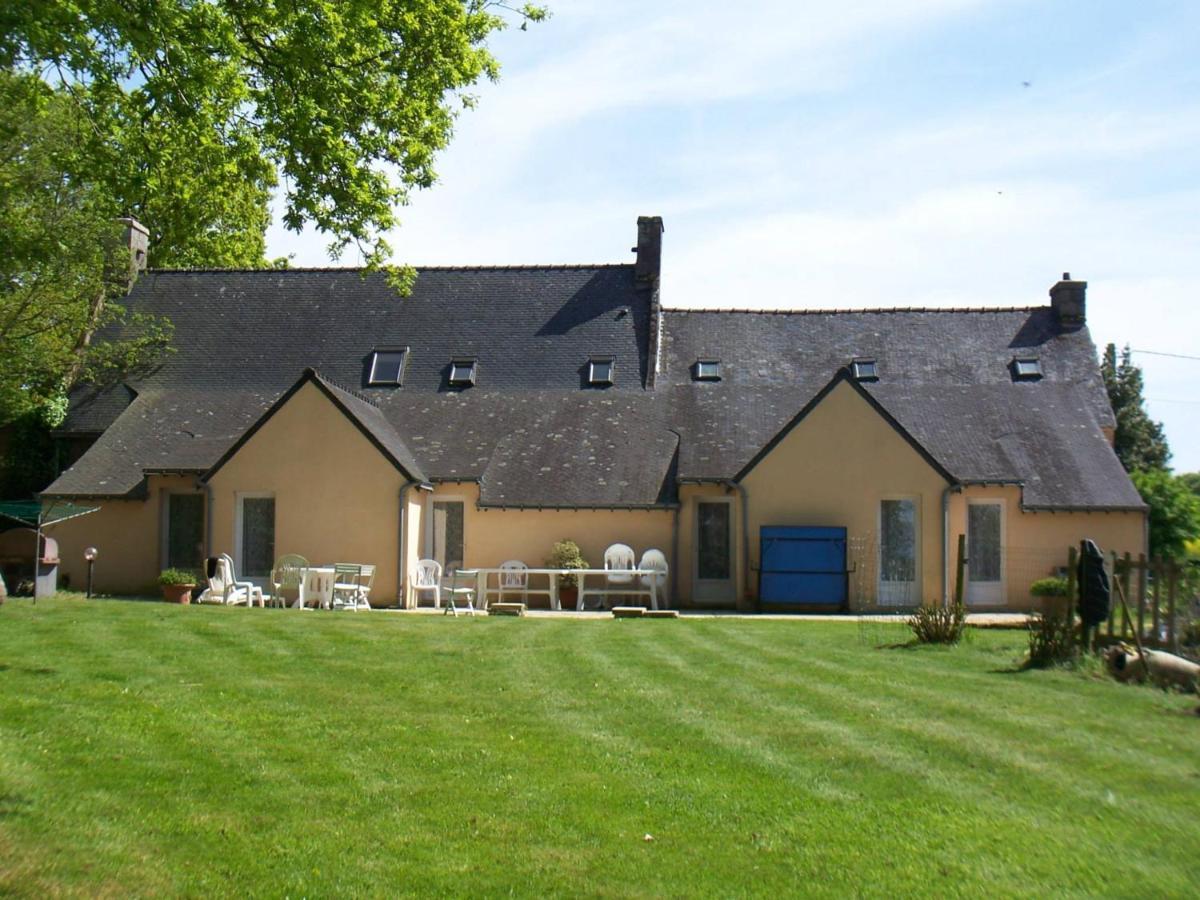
x,y
1052,640
177,577
566,555
1049,587
936,624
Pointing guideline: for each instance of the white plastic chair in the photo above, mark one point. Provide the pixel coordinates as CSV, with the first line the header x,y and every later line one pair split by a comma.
x,y
655,560
426,577
253,592
222,587
618,560
287,580
514,578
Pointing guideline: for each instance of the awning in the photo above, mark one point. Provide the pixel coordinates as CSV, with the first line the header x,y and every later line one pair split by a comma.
x,y
41,515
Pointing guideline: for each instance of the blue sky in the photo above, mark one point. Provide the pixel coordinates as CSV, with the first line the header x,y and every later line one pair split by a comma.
x,y
848,154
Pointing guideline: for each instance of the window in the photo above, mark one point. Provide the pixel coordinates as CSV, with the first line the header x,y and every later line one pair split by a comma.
x,y
707,370
865,370
600,370
185,532
447,523
462,372
256,536
897,552
1027,368
387,366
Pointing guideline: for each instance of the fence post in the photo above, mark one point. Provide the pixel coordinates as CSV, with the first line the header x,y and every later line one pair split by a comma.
x,y
1156,615
958,575
1172,588
1126,577
1141,613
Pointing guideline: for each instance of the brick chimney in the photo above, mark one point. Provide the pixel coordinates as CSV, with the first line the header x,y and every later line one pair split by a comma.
x,y
1068,300
648,250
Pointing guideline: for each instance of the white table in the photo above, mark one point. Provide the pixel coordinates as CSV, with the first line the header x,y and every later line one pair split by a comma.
x,y
317,586
633,586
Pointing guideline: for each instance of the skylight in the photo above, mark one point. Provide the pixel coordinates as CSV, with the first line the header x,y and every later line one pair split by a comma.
x,y
865,370
600,370
707,370
1027,368
462,372
387,365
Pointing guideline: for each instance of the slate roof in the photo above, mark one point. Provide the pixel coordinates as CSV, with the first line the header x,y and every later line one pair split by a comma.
x,y
532,433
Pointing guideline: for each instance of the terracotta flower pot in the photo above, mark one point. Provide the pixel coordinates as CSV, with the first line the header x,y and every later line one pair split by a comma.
x,y
178,593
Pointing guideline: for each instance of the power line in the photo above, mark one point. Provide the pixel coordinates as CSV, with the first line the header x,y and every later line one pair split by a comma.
x,y
1161,353
1170,400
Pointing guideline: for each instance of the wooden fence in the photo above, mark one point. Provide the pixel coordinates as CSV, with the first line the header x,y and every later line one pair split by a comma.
x,y
1156,605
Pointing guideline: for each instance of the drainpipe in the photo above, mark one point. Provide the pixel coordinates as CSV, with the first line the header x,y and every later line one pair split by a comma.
x,y
744,503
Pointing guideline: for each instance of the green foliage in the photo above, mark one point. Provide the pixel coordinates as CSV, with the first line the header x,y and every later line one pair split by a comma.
x,y
937,624
1049,587
1139,441
1174,512
566,555
1052,640
177,578
197,109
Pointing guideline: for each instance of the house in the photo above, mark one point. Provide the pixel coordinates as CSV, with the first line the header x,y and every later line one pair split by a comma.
x,y
807,459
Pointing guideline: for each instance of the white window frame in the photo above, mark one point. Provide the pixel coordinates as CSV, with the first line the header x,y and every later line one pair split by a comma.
x,y
238,497
429,525
997,595
895,595
713,591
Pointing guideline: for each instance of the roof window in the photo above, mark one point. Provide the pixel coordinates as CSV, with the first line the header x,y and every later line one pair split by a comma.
x,y
462,372
864,370
600,370
707,370
387,365
1026,368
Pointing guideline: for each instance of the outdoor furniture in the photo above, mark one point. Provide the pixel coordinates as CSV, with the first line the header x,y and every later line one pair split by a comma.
x,y
655,561
426,577
287,580
222,587
618,562
254,592
635,588
514,578
352,586
460,593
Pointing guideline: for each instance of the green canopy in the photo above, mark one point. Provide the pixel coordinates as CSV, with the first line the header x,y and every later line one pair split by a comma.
x,y
39,515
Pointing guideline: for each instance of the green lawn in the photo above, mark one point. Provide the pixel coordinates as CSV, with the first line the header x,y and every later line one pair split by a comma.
x,y
150,749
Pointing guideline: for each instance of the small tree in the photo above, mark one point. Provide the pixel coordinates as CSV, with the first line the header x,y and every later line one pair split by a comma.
x,y
1174,512
1140,442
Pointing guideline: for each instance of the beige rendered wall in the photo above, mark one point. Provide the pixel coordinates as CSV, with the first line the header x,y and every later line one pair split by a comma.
x,y
491,536
1036,543
337,499
833,469
128,534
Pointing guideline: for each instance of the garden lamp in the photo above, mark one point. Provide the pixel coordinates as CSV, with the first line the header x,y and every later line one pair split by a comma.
x,y
90,555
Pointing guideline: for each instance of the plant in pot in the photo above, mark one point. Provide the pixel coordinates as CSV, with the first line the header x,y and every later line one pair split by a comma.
x,y
1053,594
566,555
177,585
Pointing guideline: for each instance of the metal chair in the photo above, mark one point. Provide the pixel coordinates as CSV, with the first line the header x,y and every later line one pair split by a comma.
x,y
351,586
460,594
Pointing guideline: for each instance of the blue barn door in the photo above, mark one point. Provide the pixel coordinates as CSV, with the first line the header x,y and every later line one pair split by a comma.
x,y
802,567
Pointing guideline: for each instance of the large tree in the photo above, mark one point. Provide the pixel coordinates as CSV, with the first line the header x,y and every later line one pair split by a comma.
x,y
1174,511
196,107
1140,442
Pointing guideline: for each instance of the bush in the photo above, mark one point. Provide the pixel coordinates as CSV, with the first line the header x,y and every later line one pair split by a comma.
x,y
1052,640
566,555
1049,587
938,624
177,577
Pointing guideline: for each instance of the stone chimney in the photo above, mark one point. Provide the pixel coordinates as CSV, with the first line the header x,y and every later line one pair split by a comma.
x,y
648,250
1068,300
135,246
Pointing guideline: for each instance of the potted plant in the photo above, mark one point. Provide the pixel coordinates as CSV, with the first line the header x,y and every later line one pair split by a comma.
x,y
566,555
1053,594
177,585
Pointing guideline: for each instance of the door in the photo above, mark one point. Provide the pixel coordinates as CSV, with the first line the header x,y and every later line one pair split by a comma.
x,y
448,534
898,553
802,566
713,582
184,537
255,538
985,554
